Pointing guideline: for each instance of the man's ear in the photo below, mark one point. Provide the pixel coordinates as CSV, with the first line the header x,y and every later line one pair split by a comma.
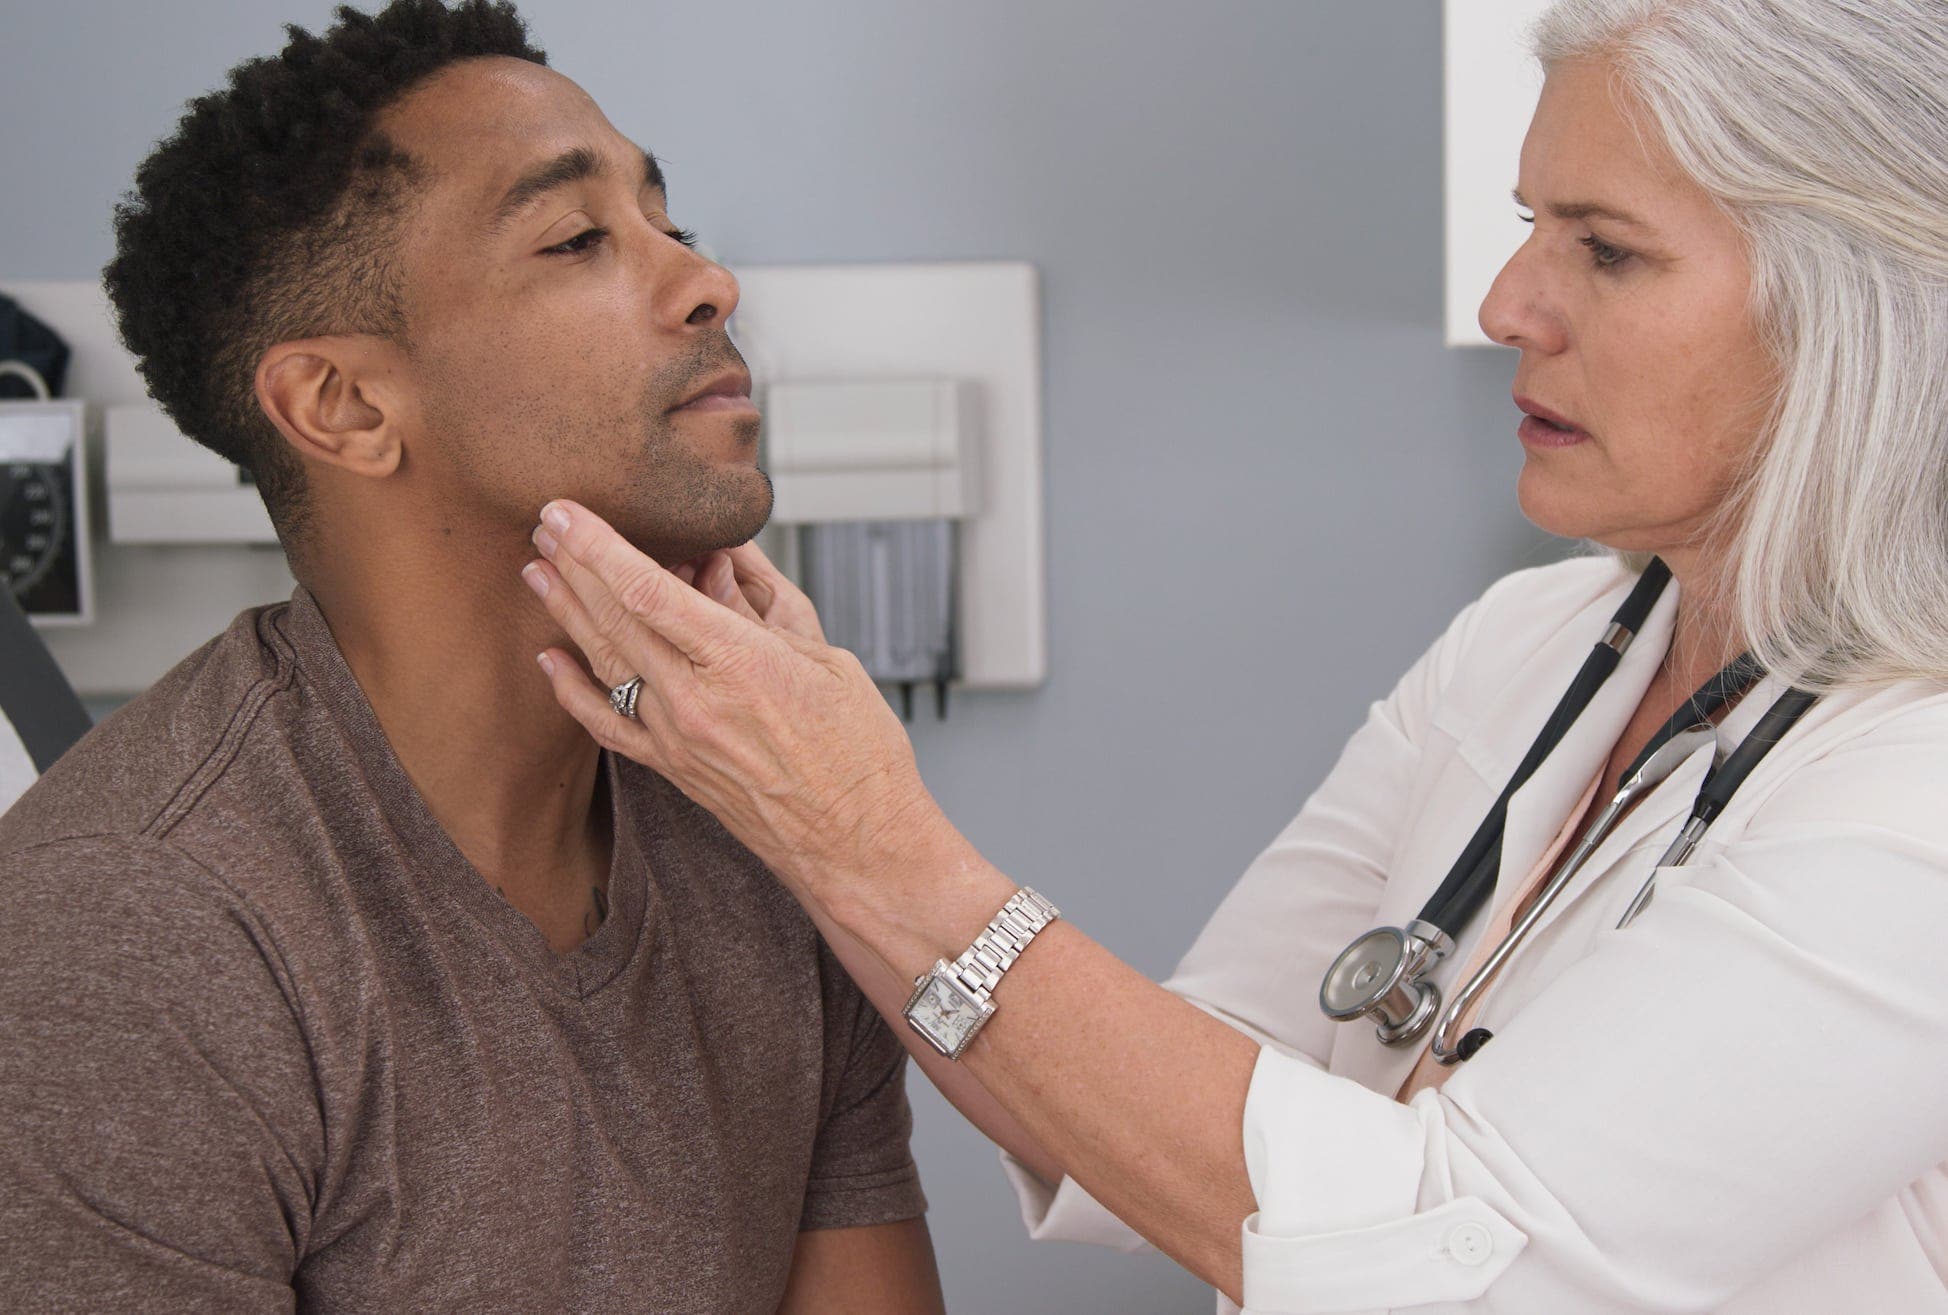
x,y
334,401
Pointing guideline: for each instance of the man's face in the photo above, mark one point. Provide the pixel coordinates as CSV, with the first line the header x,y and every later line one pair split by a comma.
x,y
563,341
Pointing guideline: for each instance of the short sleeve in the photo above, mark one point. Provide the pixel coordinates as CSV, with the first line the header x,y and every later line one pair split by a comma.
x,y
158,1123
862,1163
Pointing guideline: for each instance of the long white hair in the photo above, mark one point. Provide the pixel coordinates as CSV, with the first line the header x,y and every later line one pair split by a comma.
x,y
1821,126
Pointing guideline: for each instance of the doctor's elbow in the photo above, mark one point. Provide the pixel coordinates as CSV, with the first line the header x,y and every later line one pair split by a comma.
x,y
1216,1255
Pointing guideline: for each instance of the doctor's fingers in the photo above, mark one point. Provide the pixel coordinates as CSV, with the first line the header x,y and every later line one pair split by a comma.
x,y
783,604
717,579
625,591
614,654
585,701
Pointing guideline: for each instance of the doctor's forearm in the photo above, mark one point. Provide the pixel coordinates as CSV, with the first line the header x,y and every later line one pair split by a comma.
x,y
888,992
1136,1093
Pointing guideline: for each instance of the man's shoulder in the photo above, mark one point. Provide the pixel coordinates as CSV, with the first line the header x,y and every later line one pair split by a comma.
x,y
170,755
129,892
116,941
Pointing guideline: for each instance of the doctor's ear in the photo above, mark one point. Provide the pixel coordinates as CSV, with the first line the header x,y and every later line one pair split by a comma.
x,y
334,401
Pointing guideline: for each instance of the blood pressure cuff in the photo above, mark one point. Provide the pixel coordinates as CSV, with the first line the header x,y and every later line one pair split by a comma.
x,y
25,339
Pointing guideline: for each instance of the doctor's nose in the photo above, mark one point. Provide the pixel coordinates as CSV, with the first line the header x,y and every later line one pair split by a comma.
x,y
1517,312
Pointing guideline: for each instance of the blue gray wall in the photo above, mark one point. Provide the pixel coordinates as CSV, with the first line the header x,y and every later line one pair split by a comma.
x,y
1268,482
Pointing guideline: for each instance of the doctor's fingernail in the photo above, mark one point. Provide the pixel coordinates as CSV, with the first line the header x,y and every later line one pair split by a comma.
x,y
545,542
547,663
536,577
555,517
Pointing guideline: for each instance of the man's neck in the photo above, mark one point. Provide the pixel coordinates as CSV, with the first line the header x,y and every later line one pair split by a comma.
x,y
441,636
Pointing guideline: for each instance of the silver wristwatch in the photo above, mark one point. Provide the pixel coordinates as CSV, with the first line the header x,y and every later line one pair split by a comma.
x,y
951,1003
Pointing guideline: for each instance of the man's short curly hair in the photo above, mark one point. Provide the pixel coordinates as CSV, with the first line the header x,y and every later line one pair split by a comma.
x,y
270,214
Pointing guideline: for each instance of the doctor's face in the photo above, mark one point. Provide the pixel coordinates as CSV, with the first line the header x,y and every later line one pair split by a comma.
x,y
1642,372
565,340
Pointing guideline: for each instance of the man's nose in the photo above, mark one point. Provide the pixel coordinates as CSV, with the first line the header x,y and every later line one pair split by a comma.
x,y
707,292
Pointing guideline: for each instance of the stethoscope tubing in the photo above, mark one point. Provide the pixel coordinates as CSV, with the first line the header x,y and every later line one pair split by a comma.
x,y
1465,888
1650,773
1384,973
1719,788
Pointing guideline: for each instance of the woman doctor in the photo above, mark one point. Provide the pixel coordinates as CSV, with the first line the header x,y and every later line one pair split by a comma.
x,y
1732,314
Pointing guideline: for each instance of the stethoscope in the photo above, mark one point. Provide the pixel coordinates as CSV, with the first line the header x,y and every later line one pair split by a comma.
x,y
1382,975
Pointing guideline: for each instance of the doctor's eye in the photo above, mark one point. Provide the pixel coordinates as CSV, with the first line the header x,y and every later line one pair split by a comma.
x,y
585,240
1602,254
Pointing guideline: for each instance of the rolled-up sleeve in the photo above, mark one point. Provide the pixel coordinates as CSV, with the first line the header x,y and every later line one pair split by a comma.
x,y
1753,1065
1064,1212
1344,1222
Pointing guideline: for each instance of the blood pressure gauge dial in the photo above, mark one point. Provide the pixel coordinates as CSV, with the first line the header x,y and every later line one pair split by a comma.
x,y
43,526
33,523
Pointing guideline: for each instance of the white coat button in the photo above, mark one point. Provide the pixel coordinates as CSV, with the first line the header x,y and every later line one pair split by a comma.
x,y
1470,1244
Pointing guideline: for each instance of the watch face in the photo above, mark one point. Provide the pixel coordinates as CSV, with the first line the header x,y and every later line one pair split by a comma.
x,y
945,1015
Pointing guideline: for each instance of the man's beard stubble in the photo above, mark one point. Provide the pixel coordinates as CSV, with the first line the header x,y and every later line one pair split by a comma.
x,y
674,504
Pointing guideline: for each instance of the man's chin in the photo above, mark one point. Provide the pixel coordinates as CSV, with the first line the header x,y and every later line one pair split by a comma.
x,y
743,520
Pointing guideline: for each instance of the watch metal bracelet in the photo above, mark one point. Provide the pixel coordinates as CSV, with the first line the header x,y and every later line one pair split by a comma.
x,y
978,970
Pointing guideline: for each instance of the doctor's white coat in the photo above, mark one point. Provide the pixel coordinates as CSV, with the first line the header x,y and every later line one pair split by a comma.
x,y
1739,1104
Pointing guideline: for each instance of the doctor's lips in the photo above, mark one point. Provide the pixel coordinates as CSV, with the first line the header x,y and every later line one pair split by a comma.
x,y
728,392
1542,427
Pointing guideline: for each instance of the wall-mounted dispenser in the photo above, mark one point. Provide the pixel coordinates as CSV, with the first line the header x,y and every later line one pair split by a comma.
x,y
903,434
162,488
875,476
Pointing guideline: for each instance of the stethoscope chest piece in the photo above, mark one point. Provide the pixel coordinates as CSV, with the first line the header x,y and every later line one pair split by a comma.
x,y
1382,976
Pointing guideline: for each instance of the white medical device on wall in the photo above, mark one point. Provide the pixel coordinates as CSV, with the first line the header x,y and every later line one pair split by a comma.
x,y
903,435
880,450
162,488
874,476
45,558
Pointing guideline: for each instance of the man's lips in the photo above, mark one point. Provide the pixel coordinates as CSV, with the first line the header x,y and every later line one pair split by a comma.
x,y
1544,428
727,392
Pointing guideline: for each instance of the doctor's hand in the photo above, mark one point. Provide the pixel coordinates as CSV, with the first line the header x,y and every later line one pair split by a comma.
x,y
744,580
743,707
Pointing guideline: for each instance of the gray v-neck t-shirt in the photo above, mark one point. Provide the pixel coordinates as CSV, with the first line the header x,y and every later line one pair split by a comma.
x,y
269,1042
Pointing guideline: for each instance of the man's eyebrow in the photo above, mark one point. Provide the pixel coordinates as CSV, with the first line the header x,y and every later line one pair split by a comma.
x,y
571,166
1573,210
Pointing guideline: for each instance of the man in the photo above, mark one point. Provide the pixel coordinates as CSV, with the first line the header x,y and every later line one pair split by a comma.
x,y
341,970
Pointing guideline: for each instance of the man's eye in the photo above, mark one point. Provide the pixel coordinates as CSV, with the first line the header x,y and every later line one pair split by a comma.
x,y
684,236
1602,254
585,240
